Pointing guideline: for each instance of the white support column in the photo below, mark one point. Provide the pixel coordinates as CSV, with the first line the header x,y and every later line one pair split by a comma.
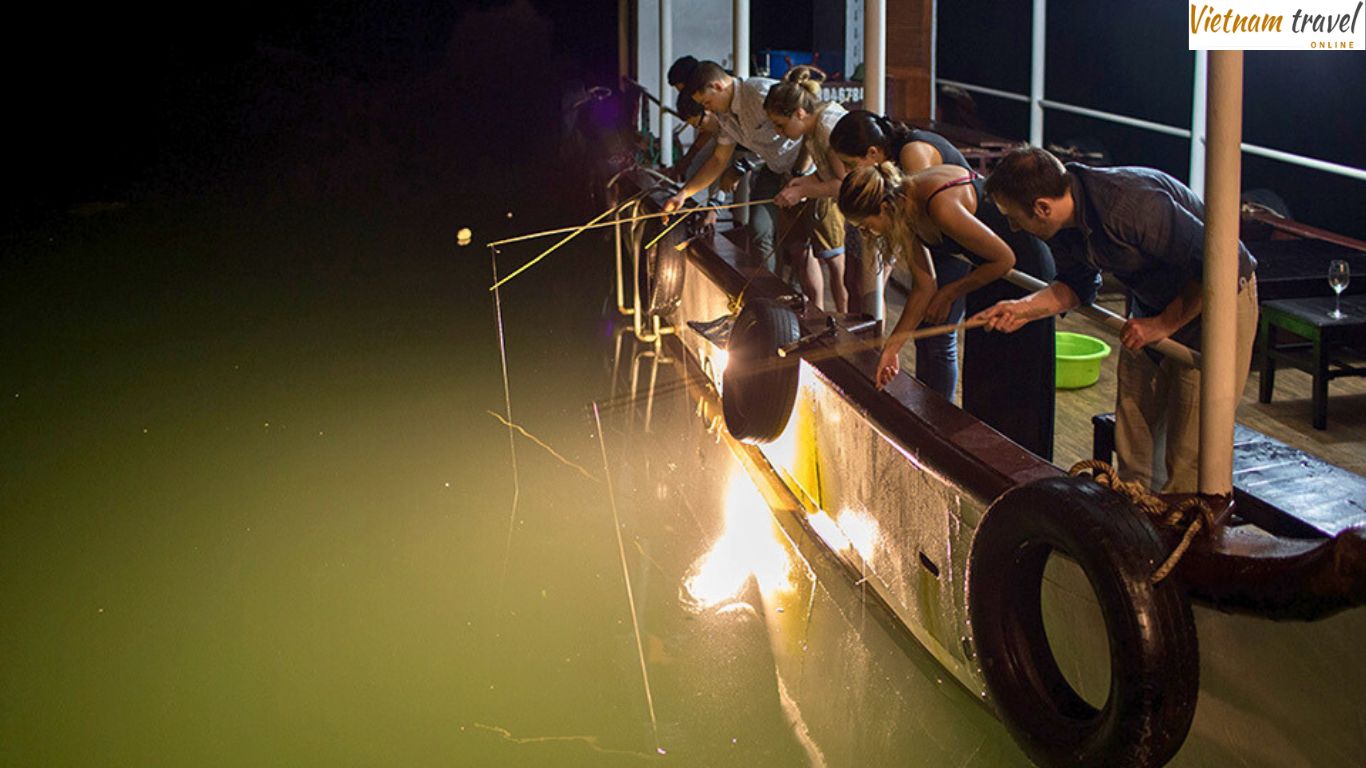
x,y
740,35
875,56
934,59
741,60
1038,41
1219,329
1198,117
666,57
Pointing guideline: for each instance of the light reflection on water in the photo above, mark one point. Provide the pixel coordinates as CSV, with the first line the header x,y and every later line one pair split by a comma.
x,y
748,547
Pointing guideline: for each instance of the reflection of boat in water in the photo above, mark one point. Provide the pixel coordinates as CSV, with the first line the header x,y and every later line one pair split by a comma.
x,y
953,528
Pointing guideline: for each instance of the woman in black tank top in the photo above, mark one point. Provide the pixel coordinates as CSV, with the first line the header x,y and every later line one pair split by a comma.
x,y
861,139
942,212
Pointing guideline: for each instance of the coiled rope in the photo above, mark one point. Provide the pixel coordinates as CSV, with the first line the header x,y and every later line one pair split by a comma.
x,y
1193,508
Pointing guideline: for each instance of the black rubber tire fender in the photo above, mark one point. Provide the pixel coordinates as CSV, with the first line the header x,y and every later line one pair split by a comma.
x,y
759,387
666,266
1154,656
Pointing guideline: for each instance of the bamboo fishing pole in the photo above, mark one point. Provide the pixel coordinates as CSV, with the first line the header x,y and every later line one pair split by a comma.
x,y
642,217
838,348
598,223
664,232
1099,315
573,233
940,330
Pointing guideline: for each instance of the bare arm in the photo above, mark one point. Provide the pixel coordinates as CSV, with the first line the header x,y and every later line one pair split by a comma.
x,y
705,133
804,187
950,213
919,155
705,175
922,289
1139,332
1011,315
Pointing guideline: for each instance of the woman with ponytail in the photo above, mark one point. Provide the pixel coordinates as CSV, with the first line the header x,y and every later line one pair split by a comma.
x,y
926,218
863,138
806,210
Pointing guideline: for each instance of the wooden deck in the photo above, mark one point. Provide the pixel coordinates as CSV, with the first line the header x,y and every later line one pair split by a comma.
x,y
1286,418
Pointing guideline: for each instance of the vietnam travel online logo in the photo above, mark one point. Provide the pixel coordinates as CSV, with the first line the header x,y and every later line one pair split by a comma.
x,y
1277,25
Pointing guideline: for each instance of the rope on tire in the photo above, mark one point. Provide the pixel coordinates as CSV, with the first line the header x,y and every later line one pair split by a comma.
x,y
1201,517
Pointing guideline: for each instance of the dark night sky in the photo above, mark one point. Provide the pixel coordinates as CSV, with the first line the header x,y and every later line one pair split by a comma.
x,y
123,94
1131,59
100,104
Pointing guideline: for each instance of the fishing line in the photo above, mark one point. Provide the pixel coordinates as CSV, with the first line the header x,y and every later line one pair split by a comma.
x,y
512,438
626,577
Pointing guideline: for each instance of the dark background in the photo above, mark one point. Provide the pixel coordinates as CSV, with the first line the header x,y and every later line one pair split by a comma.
x,y
405,100
418,99
1132,59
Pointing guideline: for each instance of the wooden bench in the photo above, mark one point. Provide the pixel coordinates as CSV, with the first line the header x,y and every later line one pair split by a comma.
x,y
1280,488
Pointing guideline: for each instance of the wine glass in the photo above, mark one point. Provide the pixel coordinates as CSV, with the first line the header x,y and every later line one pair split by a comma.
x,y
1338,277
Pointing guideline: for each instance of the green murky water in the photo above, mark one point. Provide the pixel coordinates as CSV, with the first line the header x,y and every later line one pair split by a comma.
x,y
255,512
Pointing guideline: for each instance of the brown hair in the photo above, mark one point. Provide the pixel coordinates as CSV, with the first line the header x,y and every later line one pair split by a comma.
x,y
704,74
800,89
865,190
1026,174
859,130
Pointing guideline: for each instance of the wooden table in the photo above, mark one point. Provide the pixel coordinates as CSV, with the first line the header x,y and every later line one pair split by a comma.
x,y
1323,347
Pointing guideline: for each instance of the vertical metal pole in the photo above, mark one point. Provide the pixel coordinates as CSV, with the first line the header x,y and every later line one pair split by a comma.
x,y
1219,329
1038,40
1198,124
740,35
740,52
666,56
621,281
934,59
623,41
875,56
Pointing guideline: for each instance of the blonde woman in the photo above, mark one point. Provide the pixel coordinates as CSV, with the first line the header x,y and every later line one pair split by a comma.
x,y
807,215
862,138
942,210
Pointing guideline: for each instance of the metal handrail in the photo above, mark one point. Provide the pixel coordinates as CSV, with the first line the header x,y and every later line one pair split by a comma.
x,y
1114,118
1252,149
1308,162
984,89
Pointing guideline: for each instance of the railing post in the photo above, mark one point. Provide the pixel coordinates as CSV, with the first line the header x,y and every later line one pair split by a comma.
x,y
934,59
1198,120
875,56
666,55
1038,40
740,37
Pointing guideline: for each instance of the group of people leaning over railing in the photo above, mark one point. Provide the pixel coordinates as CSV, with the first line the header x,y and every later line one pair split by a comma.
x,y
910,196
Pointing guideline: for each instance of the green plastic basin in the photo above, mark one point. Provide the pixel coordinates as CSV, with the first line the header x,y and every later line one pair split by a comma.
x,y
1079,359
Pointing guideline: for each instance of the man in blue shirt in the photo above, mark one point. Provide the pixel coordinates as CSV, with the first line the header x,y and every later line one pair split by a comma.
x,y
1147,229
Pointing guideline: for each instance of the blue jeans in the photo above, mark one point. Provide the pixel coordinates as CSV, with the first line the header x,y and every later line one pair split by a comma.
x,y
936,358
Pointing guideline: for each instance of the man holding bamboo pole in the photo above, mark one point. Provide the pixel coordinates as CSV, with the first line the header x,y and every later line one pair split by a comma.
x,y
738,105
1147,229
